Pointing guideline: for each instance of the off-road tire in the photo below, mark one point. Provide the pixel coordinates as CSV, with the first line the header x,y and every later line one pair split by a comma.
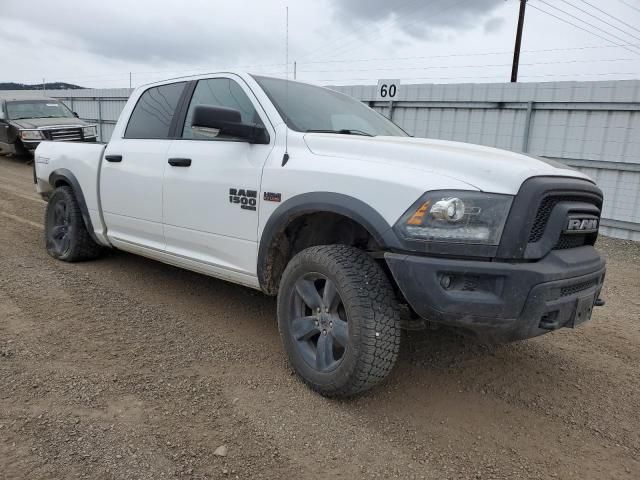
x,y
373,319
79,245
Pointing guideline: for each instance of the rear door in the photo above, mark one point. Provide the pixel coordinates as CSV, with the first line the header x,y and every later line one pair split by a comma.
x,y
132,173
210,206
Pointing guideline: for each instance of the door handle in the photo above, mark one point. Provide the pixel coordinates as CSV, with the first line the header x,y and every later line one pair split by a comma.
x,y
180,162
113,158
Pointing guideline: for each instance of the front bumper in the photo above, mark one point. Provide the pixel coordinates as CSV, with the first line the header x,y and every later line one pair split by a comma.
x,y
31,145
502,301
7,148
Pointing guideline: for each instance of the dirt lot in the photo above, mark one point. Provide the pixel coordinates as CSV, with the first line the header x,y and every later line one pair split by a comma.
x,y
128,368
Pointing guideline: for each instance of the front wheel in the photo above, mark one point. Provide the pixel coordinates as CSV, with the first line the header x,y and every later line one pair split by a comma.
x,y
338,319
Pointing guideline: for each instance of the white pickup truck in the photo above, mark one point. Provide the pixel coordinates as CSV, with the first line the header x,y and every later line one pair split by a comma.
x,y
309,195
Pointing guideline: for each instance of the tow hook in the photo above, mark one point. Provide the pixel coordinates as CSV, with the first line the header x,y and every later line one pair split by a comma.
x,y
599,303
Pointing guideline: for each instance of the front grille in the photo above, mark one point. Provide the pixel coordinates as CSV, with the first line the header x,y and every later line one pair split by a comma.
x,y
578,287
571,241
544,212
65,134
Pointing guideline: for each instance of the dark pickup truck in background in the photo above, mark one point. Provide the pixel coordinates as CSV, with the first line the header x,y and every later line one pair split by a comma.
x,y
25,121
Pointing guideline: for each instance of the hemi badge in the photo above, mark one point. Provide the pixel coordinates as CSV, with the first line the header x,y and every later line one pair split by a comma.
x,y
272,197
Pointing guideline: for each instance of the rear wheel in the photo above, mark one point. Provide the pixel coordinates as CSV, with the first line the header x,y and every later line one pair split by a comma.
x,y
338,319
66,235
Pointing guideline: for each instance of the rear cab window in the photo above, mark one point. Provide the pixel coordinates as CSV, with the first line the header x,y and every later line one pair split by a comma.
x,y
153,115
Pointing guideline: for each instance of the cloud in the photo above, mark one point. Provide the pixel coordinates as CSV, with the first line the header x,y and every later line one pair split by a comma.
x,y
494,24
417,18
146,31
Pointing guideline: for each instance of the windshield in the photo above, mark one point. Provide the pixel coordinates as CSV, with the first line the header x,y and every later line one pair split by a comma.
x,y
306,108
37,109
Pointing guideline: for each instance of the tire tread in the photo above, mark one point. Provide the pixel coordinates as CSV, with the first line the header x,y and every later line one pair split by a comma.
x,y
366,289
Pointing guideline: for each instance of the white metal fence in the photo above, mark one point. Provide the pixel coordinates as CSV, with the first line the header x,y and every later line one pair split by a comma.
x,y
592,126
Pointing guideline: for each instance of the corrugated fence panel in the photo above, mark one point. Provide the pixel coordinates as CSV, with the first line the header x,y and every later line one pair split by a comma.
x,y
100,106
592,126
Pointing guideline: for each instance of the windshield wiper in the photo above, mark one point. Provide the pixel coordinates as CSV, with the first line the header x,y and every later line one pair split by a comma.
x,y
344,131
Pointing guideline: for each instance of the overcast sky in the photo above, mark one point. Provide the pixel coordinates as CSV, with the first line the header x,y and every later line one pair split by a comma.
x,y
97,44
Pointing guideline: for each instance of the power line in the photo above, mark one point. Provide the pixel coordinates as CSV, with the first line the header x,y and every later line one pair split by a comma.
x,y
145,78
431,67
630,6
612,16
587,23
479,54
637,74
600,20
147,74
581,28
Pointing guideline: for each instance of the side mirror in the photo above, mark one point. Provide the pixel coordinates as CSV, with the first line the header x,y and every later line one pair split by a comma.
x,y
2,119
75,114
214,121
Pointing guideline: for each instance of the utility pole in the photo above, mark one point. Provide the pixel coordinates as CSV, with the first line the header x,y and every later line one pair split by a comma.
x,y
44,90
295,70
129,80
516,51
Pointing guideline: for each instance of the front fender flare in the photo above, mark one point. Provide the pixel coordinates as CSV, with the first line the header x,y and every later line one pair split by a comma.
x,y
316,202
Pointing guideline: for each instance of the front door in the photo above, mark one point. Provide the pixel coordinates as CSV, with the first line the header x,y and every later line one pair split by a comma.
x,y
212,185
133,169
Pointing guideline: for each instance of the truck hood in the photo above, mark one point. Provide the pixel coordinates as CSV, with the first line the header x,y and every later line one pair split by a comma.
x,y
487,169
46,122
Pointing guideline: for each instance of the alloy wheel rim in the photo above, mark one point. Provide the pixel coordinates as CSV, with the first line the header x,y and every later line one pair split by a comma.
x,y
319,323
59,235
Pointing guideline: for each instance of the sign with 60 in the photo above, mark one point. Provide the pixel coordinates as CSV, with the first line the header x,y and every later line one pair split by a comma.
x,y
388,90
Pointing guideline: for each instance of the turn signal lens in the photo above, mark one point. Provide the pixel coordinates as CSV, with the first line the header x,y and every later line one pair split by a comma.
x,y
418,216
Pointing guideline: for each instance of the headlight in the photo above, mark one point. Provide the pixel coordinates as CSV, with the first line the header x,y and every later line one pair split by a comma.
x,y
456,216
29,135
89,131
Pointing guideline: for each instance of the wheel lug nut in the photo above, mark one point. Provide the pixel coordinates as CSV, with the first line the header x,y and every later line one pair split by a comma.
x,y
324,332
331,324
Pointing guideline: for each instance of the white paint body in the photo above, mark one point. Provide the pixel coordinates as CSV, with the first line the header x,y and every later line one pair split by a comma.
x,y
182,216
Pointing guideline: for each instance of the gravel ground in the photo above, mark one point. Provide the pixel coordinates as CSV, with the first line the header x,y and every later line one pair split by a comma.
x,y
127,368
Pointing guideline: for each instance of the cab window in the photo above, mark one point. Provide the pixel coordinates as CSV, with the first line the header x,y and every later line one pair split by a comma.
x,y
154,112
219,92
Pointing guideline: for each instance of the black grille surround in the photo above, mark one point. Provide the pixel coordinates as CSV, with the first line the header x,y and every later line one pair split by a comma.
x,y
539,215
544,212
577,288
573,241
